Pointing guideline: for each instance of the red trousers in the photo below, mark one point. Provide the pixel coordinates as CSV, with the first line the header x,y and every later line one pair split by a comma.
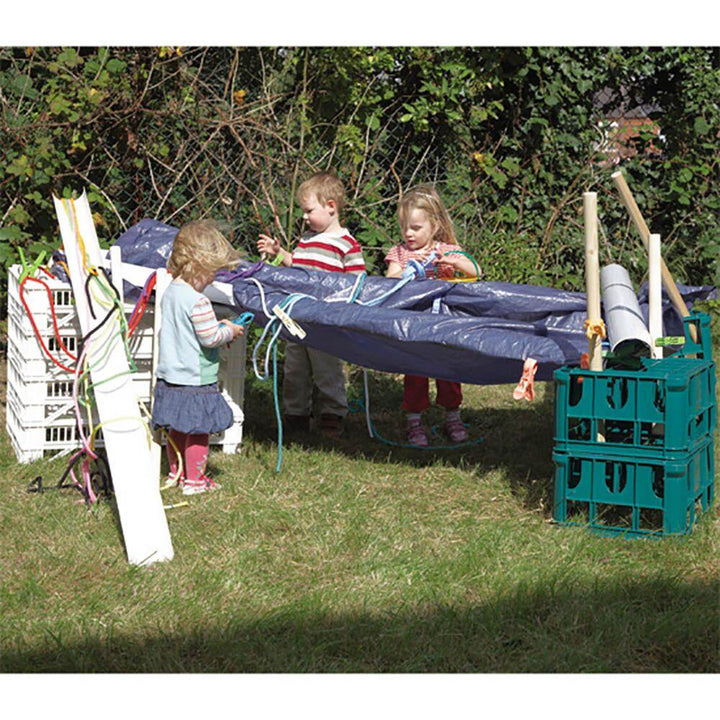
x,y
416,395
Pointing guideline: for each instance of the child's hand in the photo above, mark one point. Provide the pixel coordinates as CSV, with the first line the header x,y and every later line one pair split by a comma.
x,y
446,266
268,245
237,329
452,261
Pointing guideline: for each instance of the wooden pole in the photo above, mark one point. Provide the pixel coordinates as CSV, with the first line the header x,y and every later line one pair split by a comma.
x,y
654,294
642,228
592,277
592,286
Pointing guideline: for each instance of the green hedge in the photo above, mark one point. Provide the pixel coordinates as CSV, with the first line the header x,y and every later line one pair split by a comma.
x,y
512,137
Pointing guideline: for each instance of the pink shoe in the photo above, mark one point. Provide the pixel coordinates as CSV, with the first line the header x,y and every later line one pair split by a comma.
x,y
174,481
416,434
456,430
195,487
211,484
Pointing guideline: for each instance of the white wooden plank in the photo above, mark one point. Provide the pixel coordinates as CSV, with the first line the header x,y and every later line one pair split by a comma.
x,y
129,450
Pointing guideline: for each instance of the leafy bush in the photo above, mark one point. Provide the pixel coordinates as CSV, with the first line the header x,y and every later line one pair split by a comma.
x,y
512,137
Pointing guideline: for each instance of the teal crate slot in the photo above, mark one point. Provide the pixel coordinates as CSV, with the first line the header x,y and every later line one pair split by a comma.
x,y
624,494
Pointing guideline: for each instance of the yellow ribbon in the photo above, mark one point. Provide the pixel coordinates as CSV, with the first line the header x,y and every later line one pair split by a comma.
x,y
91,269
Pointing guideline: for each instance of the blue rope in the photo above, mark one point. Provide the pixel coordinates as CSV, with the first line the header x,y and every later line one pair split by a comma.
x,y
277,410
274,324
245,319
359,404
358,287
414,269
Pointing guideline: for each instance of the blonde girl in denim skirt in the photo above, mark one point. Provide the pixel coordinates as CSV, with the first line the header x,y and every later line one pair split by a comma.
x,y
187,403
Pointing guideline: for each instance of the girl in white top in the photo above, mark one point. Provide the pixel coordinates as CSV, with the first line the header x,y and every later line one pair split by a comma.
x,y
187,402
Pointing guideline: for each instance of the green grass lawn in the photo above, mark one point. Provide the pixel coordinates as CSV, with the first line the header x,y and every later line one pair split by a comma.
x,y
358,557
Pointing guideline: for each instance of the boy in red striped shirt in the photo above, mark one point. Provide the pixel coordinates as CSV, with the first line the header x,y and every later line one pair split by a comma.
x,y
327,246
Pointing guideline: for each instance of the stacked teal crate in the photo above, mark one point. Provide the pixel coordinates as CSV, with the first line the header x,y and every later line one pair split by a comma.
x,y
652,473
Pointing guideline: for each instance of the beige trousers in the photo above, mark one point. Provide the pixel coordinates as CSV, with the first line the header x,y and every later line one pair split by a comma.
x,y
306,367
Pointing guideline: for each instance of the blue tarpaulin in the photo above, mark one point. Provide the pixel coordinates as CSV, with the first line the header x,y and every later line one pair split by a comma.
x,y
479,333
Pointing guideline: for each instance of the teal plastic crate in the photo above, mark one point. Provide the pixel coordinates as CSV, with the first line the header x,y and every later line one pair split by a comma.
x,y
658,409
663,408
633,496
702,348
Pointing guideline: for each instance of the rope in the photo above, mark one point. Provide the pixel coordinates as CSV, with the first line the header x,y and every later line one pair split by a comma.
x,y
273,329
70,202
56,329
102,294
141,305
275,326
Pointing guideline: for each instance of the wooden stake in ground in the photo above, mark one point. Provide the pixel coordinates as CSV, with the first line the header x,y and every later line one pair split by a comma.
x,y
644,232
594,325
655,294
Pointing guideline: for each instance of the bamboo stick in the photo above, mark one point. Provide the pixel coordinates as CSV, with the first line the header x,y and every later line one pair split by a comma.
x,y
644,232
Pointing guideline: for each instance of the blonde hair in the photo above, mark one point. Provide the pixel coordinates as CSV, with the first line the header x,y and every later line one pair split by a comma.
x,y
200,248
425,198
325,186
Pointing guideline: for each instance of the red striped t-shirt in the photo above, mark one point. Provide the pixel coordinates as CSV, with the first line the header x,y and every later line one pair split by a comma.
x,y
335,252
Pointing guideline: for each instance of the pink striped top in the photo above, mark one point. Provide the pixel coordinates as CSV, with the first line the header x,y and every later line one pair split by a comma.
x,y
402,254
209,331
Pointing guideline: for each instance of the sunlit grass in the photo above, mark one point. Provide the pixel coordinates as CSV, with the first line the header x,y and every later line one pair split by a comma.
x,y
357,557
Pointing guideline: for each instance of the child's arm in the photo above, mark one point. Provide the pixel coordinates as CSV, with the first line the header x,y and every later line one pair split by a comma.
x,y
456,261
209,331
271,246
394,269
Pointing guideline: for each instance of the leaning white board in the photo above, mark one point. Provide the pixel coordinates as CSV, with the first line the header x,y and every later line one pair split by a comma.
x,y
129,450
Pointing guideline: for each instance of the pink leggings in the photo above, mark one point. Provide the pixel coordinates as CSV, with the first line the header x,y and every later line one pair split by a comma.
x,y
194,451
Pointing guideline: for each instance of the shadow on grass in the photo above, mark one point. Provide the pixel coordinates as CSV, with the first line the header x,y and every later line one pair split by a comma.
x,y
650,626
517,442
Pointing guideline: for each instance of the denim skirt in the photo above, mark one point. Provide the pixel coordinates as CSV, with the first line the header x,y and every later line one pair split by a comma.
x,y
190,409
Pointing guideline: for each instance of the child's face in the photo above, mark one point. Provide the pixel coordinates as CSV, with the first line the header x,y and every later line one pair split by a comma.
x,y
419,230
318,216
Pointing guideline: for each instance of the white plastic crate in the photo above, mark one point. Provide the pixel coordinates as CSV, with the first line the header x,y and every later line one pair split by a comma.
x,y
39,402
34,442
60,436
23,344
40,409
37,300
